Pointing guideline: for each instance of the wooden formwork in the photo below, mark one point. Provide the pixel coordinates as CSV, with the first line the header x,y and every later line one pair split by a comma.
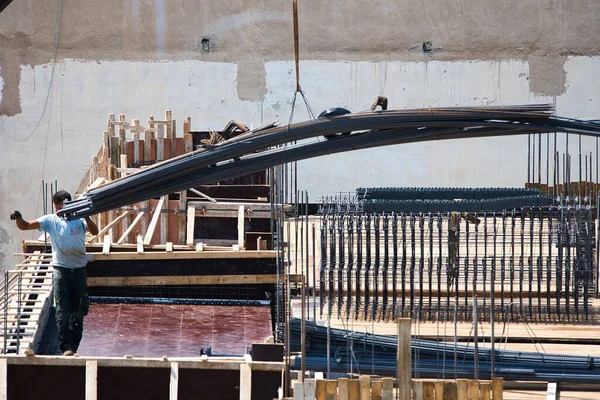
x,y
371,388
113,378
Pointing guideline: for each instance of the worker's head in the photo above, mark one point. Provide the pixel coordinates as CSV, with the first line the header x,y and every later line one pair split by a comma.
x,y
59,197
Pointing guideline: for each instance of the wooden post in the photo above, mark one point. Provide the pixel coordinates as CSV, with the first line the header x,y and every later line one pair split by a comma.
x,y
188,141
417,387
321,390
147,146
174,384
461,389
136,149
387,392
309,389
450,391
485,391
111,124
331,389
428,390
354,389
439,390
241,227
365,387
497,388
473,389
122,126
403,359
164,220
182,217
376,389
298,390
191,220
3,379
160,148
151,127
245,382
343,389
91,380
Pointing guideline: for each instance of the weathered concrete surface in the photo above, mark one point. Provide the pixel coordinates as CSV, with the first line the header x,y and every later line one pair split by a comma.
x,y
142,57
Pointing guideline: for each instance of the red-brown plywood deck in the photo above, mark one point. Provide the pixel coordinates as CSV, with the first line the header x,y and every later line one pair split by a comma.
x,y
156,330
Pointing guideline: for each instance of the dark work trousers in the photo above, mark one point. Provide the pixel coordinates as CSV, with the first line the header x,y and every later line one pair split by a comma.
x,y
70,287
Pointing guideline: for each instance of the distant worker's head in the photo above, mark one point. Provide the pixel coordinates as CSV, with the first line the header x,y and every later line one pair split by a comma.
x,y
59,197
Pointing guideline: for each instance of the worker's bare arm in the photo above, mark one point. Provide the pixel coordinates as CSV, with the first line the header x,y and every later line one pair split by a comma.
x,y
91,225
22,224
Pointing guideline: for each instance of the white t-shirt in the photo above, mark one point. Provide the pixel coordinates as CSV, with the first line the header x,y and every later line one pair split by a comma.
x,y
68,240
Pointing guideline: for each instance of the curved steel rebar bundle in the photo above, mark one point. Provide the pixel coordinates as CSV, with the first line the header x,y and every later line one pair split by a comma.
x,y
269,146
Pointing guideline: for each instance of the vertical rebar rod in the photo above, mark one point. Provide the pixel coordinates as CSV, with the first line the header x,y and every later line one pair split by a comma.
x,y
503,265
367,296
349,269
413,245
493,303
385,266
323,269
430,263
466,273
404,260
359,262
307,256
577,259
530,263
439,265
559,260
314,271
421,262
19,297
539,160
341,264
511,275
549,261
528,159
6,279
568,263
522,261
484,261
580,172
376,266
332,265
540,265
394,264
303,330
475,309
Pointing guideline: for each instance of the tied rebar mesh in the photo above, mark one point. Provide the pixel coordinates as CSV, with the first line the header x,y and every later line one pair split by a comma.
x,y
527,264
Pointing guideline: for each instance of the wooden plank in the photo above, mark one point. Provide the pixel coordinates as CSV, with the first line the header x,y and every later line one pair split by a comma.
x,y
154,221
417,388
130,228
107,243
461,389
485,391
450,391
331,389
343,389
182,255
387,391
122,124
199,193
164,220
365,387
3,379
160,149
169,247
191,219
91,380
439,390
376,389
245,382
246,279
321,390
428,390
173,138
497,388
136,148
403,359
241,232
174,381
233,206
473,389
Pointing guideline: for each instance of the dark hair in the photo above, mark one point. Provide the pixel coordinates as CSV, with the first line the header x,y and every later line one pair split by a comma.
x,y
61,196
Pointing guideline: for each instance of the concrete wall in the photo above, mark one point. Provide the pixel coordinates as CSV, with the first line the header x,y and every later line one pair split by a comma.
x,y
140,57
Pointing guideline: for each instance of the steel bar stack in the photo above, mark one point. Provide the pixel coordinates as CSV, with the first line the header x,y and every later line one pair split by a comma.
x,y
257,150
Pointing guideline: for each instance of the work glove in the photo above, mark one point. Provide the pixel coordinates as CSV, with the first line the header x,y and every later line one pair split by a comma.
x,y
15,215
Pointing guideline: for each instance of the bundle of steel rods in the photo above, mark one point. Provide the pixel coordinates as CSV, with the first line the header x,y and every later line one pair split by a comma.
x,y
257,150
531,264
361,352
